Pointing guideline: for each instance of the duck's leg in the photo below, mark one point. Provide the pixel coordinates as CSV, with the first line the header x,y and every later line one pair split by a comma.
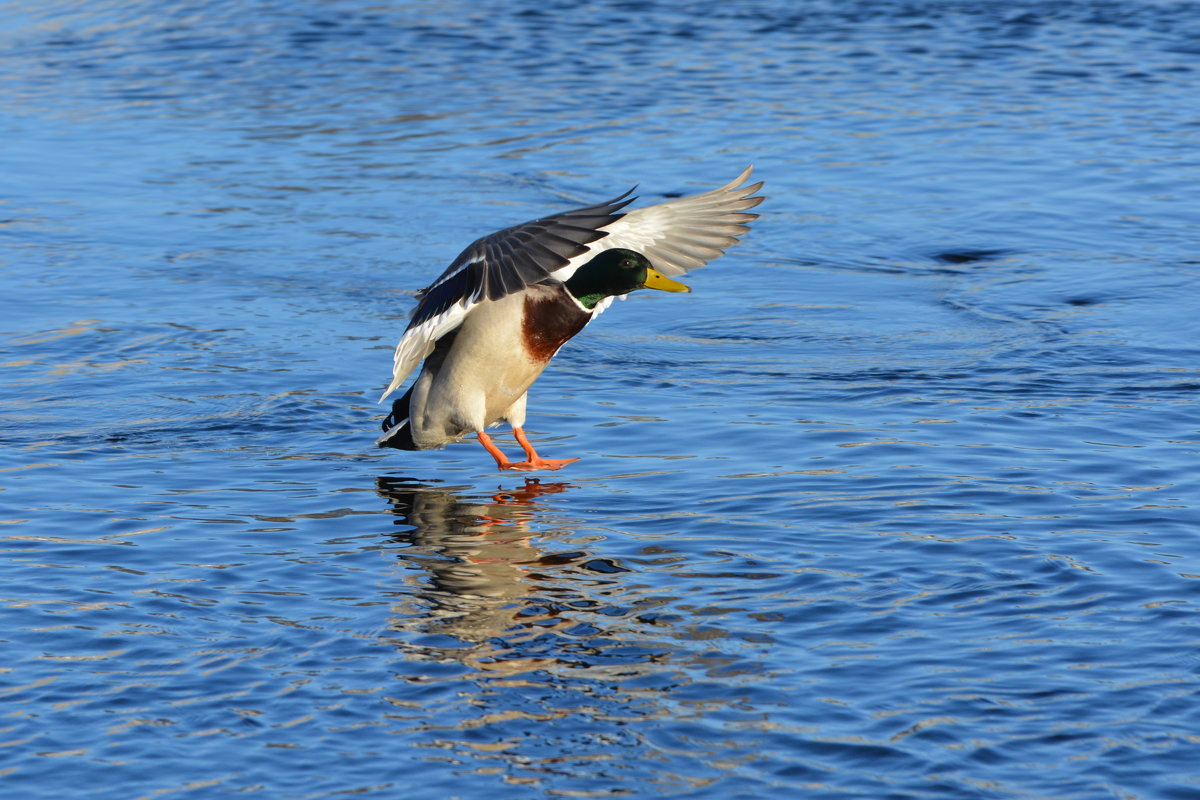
x,y
501,460
532,460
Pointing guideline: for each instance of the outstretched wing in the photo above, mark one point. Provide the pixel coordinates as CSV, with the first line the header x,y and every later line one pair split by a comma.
x,y
681,235
495,266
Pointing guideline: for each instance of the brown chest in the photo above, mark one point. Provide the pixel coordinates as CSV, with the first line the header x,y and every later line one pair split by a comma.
x,y
551,317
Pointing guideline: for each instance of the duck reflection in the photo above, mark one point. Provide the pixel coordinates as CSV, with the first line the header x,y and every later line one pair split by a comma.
x,y
516,643
484,580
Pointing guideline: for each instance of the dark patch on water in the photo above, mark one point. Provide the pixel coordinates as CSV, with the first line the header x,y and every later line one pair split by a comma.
x,y
969,256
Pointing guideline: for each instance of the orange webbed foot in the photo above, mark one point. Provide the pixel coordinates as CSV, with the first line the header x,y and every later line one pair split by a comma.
x,y
533,465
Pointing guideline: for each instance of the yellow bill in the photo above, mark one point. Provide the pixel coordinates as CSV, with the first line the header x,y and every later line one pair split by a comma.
x,y
656,280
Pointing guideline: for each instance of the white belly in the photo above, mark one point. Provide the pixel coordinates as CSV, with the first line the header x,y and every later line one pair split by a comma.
x,y
480,380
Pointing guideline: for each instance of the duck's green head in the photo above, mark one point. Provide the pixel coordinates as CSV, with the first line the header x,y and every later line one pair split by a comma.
x,y
615,272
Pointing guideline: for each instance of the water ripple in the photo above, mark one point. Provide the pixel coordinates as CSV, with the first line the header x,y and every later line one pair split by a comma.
x,y
899,502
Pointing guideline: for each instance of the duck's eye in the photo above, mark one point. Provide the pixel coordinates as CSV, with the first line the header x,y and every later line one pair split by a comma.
x,y
627,263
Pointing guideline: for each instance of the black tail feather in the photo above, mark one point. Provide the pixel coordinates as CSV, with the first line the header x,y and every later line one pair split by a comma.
x,y
401,438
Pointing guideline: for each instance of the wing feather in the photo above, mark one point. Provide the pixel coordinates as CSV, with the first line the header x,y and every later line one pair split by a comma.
x,y
681,235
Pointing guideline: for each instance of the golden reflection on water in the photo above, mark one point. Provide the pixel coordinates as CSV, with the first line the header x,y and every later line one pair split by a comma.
x,y
484,578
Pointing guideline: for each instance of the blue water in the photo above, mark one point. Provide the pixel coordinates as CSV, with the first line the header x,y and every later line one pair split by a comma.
x,y
900,503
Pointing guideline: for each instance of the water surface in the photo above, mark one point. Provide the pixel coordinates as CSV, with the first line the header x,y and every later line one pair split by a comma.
x,y
899,503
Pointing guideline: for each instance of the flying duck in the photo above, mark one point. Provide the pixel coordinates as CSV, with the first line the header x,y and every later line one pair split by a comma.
x,y
491,323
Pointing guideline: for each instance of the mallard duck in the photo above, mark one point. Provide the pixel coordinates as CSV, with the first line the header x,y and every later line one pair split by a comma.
x,y
491,323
